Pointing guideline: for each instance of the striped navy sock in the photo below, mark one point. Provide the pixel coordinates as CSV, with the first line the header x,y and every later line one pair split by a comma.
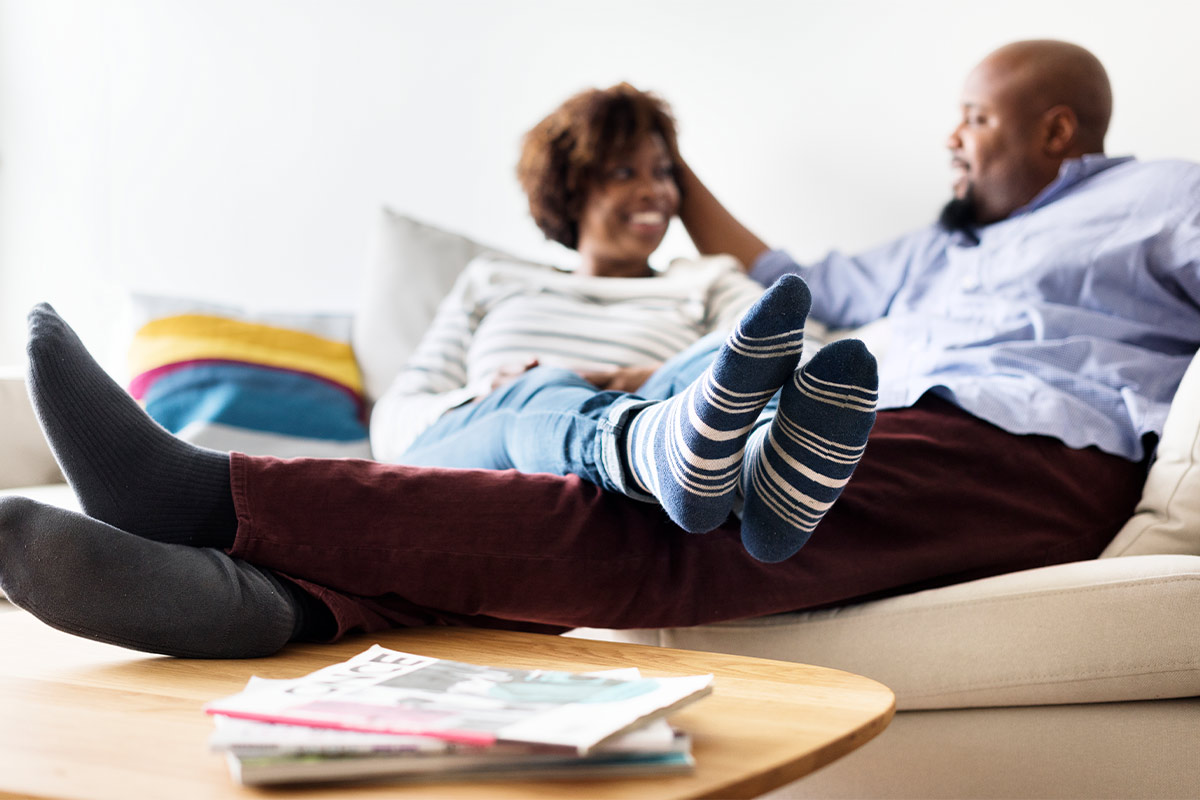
x,y
687,450
796,467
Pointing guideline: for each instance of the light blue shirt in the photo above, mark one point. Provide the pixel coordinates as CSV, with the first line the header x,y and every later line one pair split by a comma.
x,y
1075,317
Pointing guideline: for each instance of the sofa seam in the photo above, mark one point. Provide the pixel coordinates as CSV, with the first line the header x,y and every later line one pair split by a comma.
x,y
1051,680
1110,586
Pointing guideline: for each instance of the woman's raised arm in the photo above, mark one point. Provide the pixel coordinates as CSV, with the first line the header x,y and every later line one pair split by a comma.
x,y
712,228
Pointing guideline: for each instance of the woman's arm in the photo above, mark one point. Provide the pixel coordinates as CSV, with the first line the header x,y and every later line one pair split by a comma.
x,y
729,297
435,378
712,228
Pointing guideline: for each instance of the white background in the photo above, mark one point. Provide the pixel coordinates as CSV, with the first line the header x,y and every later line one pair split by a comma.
x,y
238,150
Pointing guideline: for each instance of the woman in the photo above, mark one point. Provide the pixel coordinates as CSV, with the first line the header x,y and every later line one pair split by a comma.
x,y
600,175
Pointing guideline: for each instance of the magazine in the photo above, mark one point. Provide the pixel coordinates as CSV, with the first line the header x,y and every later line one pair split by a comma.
x,y
316,769
266,753
663,751
386,691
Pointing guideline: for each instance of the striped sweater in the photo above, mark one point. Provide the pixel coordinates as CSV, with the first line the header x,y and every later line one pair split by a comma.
x,y
501,313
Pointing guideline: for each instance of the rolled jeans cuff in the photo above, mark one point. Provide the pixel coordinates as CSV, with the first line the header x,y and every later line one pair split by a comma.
x,y
612,426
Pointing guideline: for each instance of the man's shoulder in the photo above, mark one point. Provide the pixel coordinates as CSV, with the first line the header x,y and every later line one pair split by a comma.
x,y
1166,170
1166,188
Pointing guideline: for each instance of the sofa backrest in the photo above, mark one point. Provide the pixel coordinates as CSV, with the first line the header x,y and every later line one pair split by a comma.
x,y
412,266
1167,519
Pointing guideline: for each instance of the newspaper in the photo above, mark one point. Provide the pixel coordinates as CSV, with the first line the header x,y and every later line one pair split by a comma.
x,y
386,691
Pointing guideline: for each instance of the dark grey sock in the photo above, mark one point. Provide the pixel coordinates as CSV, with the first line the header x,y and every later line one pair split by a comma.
x,y
89,579
126,469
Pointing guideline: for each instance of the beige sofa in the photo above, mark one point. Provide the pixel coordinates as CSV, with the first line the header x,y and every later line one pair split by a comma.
x,y
1079,680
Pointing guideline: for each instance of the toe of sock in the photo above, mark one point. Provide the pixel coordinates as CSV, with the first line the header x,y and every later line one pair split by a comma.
x,y
846,361
769,545
782,309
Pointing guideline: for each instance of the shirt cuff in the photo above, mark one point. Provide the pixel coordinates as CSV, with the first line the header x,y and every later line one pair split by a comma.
x,y
772,265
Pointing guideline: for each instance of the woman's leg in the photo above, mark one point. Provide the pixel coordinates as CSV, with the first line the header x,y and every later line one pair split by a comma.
x,y
548,420
684,451
682,369
797,465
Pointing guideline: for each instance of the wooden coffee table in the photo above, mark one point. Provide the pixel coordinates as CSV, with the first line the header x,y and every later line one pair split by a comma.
x,y
85,720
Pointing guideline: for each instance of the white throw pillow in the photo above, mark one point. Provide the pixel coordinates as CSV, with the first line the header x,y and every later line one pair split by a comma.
x,y
1167,519
412,266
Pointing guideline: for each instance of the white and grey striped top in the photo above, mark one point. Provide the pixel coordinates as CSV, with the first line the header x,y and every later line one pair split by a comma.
x,y
501,313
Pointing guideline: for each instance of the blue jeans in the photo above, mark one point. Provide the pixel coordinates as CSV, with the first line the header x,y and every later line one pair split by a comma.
x,y
552,421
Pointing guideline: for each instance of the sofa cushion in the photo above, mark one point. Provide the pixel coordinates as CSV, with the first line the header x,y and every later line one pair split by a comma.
x,y
1093,631
1167,519
412,266
266,384
25,458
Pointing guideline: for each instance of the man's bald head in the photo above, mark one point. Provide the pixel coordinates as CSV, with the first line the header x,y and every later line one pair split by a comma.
x,y
1027,107
1045,73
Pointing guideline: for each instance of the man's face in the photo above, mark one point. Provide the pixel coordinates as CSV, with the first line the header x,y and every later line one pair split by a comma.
x,y
996,149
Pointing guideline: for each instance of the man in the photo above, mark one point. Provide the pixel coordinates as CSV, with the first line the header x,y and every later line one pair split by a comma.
x,y
1041,330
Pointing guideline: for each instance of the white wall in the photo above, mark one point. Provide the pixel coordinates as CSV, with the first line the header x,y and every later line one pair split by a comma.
x,y
237,149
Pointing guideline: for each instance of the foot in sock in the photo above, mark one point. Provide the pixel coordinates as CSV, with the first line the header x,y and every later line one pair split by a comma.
x,y
687,451
89,579
796,466
126,469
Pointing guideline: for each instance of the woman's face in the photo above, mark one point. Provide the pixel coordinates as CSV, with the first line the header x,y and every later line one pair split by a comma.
x,y
626,212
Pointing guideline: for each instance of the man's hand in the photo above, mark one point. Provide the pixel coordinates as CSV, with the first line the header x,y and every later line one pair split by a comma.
x,y
506,375
621,379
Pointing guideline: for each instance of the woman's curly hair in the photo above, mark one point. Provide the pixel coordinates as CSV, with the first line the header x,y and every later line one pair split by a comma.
x,y
565,154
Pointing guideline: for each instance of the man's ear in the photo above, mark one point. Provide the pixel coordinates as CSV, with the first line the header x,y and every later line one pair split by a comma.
x,y
1060,127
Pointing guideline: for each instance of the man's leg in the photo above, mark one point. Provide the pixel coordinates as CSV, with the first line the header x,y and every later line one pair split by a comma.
x,y
141,570
125,469
940,497
87,578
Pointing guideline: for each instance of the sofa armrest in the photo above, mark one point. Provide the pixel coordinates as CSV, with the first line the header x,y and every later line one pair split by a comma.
x,y
25,458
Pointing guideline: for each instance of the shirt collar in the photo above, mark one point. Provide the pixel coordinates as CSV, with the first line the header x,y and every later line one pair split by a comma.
x,y
1071,173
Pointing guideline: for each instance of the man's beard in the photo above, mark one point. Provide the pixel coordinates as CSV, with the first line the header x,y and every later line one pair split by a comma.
x,y
960,215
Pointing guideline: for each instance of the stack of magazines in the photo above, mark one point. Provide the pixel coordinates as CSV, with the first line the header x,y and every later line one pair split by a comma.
x,y
388,715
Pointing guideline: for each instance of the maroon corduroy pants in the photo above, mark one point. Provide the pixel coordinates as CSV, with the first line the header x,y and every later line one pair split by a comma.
x,y
940,497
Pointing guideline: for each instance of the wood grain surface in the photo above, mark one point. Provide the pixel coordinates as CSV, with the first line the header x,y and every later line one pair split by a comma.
x,y
80,719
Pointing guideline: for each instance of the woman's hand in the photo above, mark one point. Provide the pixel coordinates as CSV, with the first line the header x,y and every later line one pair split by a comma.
x,y
508,374
621,379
